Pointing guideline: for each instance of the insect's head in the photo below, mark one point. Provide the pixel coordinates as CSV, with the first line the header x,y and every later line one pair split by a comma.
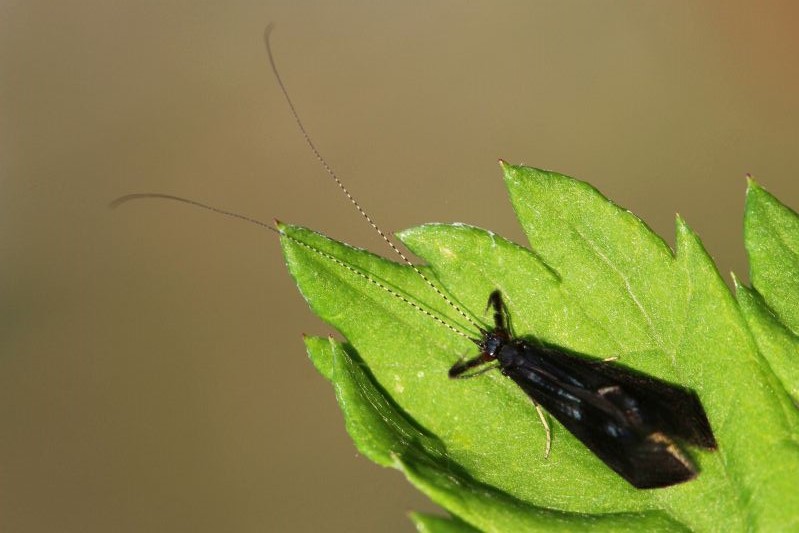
x,y
492,342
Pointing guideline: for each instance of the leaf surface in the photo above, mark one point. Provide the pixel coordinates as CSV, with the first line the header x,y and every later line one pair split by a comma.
x,y
597,281
771,235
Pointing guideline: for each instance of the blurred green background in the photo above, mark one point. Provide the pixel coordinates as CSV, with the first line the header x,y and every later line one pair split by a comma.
x,y
152,373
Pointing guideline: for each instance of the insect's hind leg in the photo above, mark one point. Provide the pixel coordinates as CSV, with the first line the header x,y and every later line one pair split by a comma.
x,y
543,418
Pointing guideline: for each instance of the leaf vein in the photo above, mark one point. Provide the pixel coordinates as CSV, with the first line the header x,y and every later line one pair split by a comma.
x,y
628,288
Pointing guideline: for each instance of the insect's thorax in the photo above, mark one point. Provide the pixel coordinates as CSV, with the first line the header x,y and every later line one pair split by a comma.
x,y
500,345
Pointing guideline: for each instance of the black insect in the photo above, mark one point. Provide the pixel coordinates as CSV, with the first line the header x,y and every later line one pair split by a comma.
x,y
628,419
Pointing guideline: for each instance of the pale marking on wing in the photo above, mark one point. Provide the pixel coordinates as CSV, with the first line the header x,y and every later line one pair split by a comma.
x,y
660,438
604,391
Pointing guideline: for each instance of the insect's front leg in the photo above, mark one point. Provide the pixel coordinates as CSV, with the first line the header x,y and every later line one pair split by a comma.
x,y
460,370
500,311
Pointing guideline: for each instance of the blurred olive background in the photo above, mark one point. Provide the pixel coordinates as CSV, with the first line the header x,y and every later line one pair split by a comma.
x,y
152,372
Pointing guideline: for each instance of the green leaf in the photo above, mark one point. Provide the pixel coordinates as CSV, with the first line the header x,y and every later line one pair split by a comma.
x,y
598,282
771,234
426,523
386,435
776,342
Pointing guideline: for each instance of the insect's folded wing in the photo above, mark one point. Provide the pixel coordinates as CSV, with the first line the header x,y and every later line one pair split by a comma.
x,y
678,410
646,458
656,461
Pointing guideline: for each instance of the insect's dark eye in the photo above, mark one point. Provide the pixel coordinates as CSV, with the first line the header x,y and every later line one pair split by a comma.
x,y
492,345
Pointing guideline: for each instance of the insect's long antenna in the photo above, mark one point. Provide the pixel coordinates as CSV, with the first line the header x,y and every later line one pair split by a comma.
x,y
142,195
344,189
139,196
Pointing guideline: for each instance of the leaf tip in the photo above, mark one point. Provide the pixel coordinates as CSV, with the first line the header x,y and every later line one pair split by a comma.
x,y
406,234
320,352
282,228
753,188
689,247
681,227
507,169
736,282
516,174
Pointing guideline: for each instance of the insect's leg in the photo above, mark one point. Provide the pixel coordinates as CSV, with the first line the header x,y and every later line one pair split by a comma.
x,y
543,418
466,374
500,311
606,360
461,367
